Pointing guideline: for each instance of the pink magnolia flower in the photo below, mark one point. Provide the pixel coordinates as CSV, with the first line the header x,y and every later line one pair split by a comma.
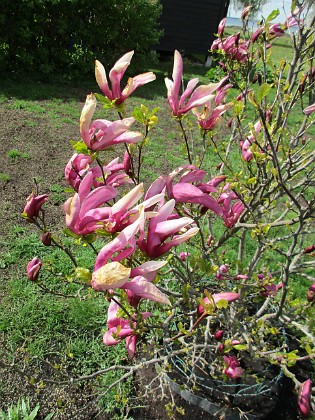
x,y
309,109
83,213
304,398
33,269
232,367
115,76
185,192
275,30
229,296
102,133
191,97
79,165
231,212
183,256
246,11
233,46
210,117
292,21
147,271
112,275
33,206
221,27
247,154
257,34
161,226
119,328
220,274
76,169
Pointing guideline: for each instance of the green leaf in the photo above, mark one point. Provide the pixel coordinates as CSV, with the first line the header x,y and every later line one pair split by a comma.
x,y
80,147
104,100
222,304
272,15
263,91
240,347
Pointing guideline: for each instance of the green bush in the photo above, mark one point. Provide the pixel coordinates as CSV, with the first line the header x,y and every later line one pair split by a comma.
x,y
65,36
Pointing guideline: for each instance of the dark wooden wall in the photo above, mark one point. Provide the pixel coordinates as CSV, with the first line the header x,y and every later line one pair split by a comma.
x,y
189,25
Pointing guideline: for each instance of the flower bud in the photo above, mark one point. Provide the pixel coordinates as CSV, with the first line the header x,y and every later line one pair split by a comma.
x,y
309,249
33,268
127,164
33,205
304,398
183,256
46,238
218,335
310,295
245,12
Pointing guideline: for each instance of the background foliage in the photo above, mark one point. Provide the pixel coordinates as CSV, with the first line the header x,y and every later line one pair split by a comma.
x,y
30,30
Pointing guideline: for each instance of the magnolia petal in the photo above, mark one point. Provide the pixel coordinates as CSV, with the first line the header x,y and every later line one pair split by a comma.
x,y
108,339
131,342
128,200
101,79
189,89
177,240
110,276
140,287
72,209
187,193
117,244
86,117
169,227
97,197
177,73
137,81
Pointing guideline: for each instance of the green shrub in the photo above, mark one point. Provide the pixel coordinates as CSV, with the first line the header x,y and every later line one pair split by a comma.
x,y
46,36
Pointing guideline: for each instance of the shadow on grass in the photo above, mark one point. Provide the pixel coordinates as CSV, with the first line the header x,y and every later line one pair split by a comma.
x,y
19,87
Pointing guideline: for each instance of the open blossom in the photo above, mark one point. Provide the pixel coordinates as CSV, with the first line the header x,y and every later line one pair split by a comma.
x,y
83,211
233,46
304,398
115,75
33,269
231,212
192,96
232,367
210,117
99,134
119,329
33,206
163,231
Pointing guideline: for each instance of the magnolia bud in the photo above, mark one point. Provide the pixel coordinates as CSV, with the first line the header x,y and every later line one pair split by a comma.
x,y
46,238
33,269
310,296
218,335
309,249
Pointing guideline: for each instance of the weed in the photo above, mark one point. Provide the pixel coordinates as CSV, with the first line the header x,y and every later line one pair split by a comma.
x,y
4,177
58,196
27,106
16,154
